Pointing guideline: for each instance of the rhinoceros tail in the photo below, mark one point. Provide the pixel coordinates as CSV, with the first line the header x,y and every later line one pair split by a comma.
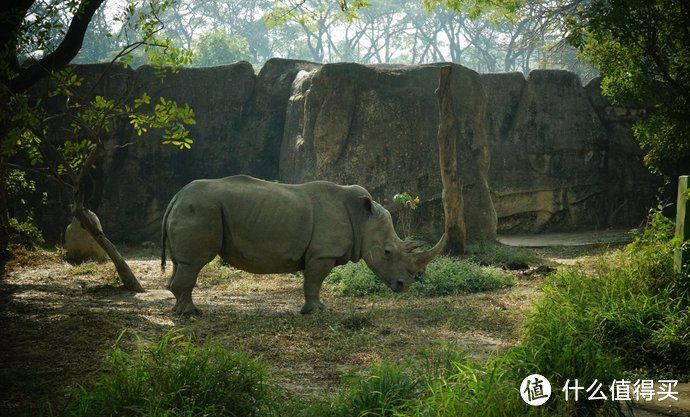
x,y
164,234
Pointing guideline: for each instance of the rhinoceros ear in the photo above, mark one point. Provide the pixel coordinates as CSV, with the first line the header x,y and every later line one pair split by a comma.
x,y
368,204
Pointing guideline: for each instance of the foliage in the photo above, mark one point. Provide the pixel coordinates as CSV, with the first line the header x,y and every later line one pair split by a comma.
x,y
355,279
174,377
66,155
20,191
627,320
364,31
443,276
494,253
447,276
406,200
641,50
26,231
387,390
630,316
90,118
215,48
409,205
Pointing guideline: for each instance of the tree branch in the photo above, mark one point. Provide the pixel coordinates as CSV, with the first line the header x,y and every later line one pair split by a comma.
x,y
64,53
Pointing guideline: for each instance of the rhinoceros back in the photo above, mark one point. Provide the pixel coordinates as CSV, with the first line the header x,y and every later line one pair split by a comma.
x,y
255,225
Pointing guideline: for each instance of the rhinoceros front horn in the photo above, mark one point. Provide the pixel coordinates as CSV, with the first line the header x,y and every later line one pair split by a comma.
x,y
425,257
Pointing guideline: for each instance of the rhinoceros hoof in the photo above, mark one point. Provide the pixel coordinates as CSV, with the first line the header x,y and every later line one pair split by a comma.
x,y
187,310
311,307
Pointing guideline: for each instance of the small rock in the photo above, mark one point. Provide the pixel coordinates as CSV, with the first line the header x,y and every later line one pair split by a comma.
x,y
544,270
515,266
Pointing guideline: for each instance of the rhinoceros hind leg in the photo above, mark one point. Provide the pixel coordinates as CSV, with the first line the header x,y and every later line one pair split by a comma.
x,y
181,285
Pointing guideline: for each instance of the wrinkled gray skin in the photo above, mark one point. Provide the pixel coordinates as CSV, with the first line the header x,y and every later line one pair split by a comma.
x,y
268,228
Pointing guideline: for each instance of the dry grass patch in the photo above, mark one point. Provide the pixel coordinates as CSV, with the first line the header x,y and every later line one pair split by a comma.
x,y
60,321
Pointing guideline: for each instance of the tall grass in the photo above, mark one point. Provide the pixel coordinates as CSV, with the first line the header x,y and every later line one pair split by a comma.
x,y
176,378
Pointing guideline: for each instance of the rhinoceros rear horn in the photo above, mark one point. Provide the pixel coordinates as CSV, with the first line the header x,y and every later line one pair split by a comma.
x,y
425,257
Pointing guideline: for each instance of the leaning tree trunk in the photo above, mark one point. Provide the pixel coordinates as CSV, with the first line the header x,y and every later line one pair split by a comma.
x,y
123,270
449,161
80,212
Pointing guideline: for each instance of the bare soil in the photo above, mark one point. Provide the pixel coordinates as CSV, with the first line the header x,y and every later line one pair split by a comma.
x,y
58,322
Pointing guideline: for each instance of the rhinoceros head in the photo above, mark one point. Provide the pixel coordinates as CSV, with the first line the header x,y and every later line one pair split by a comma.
x,y
394,261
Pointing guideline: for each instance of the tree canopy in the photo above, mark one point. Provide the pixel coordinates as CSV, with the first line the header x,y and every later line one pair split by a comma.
x,y
642,49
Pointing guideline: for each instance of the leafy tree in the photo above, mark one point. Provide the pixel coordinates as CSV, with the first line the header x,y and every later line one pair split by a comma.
x,y
642,49
27,141
215,48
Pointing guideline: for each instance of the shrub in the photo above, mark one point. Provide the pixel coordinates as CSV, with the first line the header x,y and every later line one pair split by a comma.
x,y
494,253
355,279
443,276
446,276
176,378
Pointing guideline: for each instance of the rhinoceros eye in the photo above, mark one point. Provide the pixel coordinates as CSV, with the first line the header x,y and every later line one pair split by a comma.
x,y
387,252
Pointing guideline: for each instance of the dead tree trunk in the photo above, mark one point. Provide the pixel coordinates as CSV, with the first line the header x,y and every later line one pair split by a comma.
x,y
449,161
123,270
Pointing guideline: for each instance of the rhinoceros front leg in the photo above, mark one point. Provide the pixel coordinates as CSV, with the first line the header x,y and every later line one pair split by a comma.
x,y
314,274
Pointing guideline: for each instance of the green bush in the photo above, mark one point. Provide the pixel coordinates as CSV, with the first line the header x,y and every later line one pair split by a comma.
x,y
446,276
25,232
494,253
443,276
355,279
176,378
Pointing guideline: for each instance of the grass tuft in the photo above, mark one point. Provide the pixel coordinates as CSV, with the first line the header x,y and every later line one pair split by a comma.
x,y
176,378
443,276
448,276
355,279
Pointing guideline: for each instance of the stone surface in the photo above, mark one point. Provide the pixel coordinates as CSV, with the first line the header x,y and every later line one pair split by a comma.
x,y
631,189
541,154
548,168
140,180
79,244
262,130
376,126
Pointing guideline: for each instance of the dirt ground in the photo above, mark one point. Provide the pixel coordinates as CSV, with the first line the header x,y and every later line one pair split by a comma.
x,y
58,321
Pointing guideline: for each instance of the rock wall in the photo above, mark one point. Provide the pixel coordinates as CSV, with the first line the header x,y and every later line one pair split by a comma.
x,y
542,153
376,126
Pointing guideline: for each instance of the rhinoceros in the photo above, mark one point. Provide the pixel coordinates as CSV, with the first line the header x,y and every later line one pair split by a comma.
x,y
268,228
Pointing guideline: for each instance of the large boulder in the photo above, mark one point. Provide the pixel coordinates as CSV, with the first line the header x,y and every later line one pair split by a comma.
x,y
376,126
79,244
548,153
262,130
632,188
